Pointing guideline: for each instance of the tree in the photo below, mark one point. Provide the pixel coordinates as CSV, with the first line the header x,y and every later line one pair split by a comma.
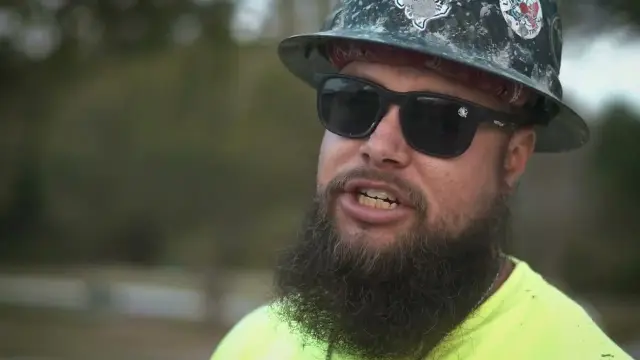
x,y
49,44
609,260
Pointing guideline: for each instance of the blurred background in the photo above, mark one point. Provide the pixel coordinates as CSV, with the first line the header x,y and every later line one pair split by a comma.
x,y
154,155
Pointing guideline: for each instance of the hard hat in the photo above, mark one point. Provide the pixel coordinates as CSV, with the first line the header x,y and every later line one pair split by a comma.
x,y
519,41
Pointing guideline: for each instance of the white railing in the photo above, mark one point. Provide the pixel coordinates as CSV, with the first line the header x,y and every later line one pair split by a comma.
x,y
138,293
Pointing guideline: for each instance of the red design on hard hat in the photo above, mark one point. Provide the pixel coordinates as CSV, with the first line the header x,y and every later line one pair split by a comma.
x,y
530,12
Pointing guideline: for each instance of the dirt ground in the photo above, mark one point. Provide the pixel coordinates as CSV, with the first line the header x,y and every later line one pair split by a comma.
x,y
60,335
28,334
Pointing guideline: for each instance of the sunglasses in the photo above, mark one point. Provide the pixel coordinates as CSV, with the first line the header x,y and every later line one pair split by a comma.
x,y
433,124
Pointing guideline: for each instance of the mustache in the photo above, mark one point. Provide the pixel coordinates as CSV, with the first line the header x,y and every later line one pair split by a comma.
x,y
338,184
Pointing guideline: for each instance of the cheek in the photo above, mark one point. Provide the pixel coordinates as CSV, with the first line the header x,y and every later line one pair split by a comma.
x,y
335,155
458,188
452,192
479,168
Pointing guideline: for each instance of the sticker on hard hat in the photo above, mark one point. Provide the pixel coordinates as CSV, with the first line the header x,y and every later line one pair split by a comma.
x,y
423,11
523,16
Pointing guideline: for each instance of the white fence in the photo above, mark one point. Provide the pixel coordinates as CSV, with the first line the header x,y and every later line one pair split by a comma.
x,y
155,294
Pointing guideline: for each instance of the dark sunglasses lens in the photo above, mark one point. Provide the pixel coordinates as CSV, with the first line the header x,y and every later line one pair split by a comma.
x,y
438,127
348,107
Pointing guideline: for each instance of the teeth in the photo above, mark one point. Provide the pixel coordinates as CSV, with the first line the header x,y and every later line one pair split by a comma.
x,y
376,203
379,194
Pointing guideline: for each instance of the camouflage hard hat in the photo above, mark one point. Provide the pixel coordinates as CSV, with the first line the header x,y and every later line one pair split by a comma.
x,y
515,40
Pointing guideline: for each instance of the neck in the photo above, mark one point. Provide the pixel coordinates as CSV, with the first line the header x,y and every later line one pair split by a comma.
x,y
506,268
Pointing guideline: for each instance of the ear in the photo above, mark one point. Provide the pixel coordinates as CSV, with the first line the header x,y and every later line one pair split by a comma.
x,y
519,150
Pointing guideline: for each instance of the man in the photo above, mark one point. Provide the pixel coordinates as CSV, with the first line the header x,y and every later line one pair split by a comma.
x,y
432,110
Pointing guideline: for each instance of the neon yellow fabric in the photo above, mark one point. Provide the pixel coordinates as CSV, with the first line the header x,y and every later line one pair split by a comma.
x,y
526,319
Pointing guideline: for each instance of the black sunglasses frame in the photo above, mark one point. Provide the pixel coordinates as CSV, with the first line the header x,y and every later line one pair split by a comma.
x,y
505,121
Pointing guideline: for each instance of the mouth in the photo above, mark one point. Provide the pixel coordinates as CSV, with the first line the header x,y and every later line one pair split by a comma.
x,y
373,202
377,199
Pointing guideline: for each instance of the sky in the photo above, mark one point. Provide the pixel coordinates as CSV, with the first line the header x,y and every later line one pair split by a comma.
x,y
606,69
594,72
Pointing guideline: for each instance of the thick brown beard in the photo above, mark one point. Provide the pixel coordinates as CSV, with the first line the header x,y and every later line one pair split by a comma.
x,y
396,304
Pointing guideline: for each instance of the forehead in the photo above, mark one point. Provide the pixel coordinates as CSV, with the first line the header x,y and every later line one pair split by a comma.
x,y
342,53
405,78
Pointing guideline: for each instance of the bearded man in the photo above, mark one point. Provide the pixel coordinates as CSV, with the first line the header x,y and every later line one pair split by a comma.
x,y
432,109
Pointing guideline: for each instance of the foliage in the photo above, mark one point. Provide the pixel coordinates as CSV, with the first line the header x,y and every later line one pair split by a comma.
x,y
159,140
616,158
615,170
628,10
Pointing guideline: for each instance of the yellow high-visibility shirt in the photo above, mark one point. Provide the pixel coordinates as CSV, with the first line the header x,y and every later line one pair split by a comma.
x,y
525,319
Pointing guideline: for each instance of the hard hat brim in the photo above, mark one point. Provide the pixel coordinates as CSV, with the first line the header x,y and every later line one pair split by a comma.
x,y
299,54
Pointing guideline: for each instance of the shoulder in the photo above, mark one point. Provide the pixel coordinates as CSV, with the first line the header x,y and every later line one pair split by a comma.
x,y
253,332
262,335
560,326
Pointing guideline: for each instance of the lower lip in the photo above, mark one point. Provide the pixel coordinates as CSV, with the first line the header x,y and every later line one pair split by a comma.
x,y
348,202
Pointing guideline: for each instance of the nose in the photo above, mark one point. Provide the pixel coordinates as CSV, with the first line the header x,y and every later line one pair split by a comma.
x,y
386,147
